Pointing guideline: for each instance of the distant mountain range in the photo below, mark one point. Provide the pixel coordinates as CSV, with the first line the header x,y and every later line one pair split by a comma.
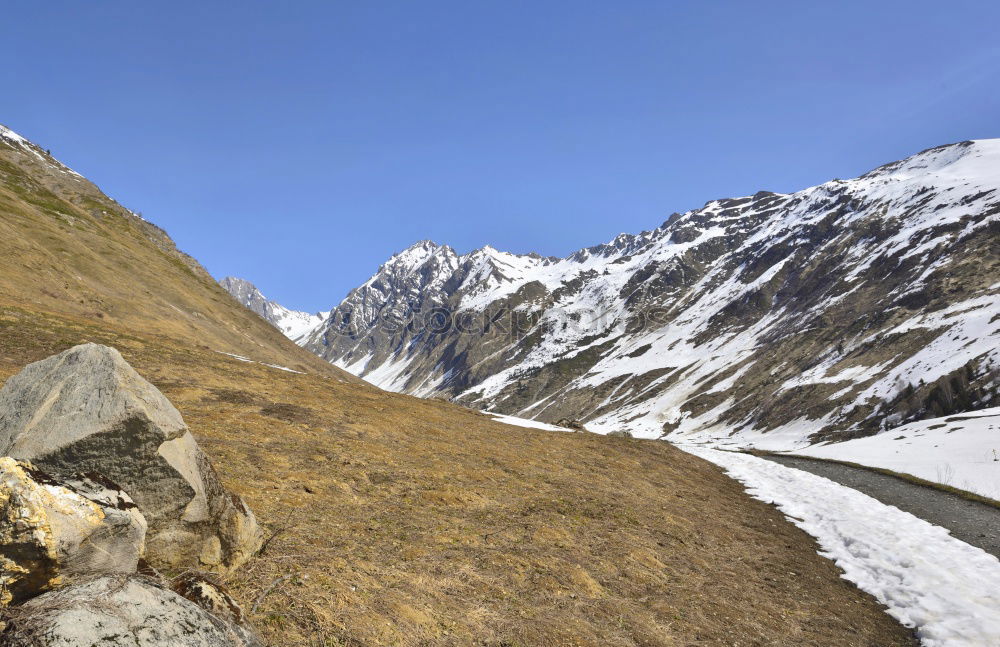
x,y
775,319
293,323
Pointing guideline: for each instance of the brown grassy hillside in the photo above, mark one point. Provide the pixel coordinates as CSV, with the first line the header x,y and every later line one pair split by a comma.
x,y
67,248
398,521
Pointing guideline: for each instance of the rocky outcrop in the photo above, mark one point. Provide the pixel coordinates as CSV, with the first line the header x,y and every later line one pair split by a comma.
x,y
570,423
52,532
131,610
87,410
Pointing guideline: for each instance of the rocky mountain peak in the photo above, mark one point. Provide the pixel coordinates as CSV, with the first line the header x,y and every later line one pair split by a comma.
x,y
419,253
842,291
243,291
295,324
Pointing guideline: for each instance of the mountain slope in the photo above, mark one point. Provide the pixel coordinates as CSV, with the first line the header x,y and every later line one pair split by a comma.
x,y
835,311
294,324
67,248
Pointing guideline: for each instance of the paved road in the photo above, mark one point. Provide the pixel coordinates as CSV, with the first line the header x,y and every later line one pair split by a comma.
x,y
974,523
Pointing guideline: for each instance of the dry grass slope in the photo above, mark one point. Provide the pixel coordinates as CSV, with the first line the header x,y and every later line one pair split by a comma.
x,y
68,248
399,521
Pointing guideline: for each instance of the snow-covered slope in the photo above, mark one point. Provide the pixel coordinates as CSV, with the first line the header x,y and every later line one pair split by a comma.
x,y
774,319
962,451
296,325
940,586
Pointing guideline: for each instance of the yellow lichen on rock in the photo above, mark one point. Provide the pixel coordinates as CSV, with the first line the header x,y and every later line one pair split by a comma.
x,y
50,531
27,548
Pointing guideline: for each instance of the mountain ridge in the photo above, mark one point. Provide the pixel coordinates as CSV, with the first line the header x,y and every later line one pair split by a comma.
x,y
294,324
902,241
72,250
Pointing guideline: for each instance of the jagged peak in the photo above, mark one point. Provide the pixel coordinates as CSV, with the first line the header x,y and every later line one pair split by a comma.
x,y
420,251
235,280
491,252
241,288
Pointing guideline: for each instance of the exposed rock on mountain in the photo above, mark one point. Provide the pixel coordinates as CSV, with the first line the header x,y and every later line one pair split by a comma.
x,y
835,311
113,609
295,325
54,531
85,410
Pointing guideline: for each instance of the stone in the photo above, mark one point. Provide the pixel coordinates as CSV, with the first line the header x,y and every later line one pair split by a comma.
x,y
127,610
87,410
571,423
53,532
209,594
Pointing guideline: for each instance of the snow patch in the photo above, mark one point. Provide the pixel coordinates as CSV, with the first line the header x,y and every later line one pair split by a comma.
x,y
525,422
961,450
946,589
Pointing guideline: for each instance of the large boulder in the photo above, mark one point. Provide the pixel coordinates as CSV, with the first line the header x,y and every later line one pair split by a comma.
x,y
53,532
131,611
87,410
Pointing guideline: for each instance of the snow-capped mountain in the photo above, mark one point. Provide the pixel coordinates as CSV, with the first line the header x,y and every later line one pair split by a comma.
x,y
296,325
836,311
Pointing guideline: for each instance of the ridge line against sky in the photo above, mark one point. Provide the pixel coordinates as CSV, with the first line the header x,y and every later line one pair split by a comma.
x,y
299,147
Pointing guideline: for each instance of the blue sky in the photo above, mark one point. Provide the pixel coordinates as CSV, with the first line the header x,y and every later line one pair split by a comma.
x,y
300,144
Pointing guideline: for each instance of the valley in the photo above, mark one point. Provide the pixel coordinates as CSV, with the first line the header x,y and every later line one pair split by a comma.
x,y
393,520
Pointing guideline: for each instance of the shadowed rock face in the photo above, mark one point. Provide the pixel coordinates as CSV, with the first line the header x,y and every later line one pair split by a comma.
x,y
120,610
87,410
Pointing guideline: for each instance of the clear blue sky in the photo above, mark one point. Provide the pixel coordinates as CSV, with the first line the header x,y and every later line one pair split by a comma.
x,y
299,144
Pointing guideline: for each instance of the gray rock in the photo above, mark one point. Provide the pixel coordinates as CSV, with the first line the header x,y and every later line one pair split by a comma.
x,y
571,423
209,594
53,532
120,611
87,410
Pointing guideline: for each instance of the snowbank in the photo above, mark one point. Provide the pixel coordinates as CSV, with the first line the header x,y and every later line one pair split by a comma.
x,y
946,589
524,422
962,451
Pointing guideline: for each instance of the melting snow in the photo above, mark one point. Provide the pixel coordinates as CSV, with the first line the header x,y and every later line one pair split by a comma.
x,y
946,589
962,451
250,361
24,144
524,422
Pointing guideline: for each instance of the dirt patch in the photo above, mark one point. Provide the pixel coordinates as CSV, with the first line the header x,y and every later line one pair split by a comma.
x,y
287,412
234,396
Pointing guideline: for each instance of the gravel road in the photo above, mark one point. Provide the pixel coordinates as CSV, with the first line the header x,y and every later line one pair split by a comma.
x,y
974,523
